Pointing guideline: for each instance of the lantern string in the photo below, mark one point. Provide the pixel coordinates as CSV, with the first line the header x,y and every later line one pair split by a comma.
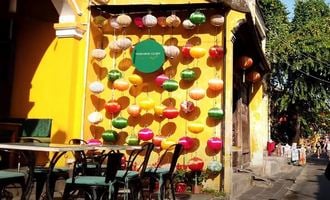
x,y
216,36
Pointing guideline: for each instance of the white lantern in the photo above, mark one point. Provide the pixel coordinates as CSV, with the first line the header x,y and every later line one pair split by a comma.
x,y
217,20
96,87
149,20
124,20
187,24
124,43
95,117
171,51
98,53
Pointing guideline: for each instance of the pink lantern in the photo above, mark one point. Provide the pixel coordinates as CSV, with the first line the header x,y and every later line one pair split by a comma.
x,y
187,106
159,80
214,143
145,134
94,142
187,142
170,113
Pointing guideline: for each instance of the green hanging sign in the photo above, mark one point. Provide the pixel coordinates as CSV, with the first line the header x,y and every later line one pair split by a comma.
x,y
148,56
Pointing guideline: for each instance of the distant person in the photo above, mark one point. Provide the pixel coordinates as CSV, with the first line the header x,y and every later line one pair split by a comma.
x,y
327,148
318,148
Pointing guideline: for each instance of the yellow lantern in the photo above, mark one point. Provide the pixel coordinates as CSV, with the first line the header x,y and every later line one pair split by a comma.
x,y
135,79
166,143
195,127
159,109
197,93
147,103
197,52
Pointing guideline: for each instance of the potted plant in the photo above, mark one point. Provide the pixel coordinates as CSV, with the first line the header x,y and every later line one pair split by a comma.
x,y
180,179
196,179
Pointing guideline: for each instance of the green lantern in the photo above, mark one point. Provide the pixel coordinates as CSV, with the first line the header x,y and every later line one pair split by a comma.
x,y
188,75
110,136
132,140
119,122
197,17
216,113
170,85
114,74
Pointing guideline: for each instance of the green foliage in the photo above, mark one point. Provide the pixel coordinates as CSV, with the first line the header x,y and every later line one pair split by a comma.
x,y
299,53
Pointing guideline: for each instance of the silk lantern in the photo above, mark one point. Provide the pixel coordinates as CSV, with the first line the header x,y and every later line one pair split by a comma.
x,y
166,143
253,76
138,22
94,142
114,24
147,103
95,117
217,20
96,87
187,24
170,85
214,167
214,144
145,134
197,17
99,54
216,113
171,51
112,107
114,74
187,106
170,112
197,52
197,93
124,20
216,51
135,79
149,20
157,140
195,164
173,21
215,84
187,142
185,50
134,110
124,43
132,140
195,127
110,136
188,75
245,62
99,20
114,46
159,80
161,21
159,109
119,122
120,84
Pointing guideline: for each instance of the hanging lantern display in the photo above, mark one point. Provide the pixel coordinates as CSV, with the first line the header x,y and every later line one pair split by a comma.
x,y
157,140
112,107
245,62
114,74
99,54
99,20
197,93
114,46
170,112
120,84
216,113
114,24
195,164
119,122
124,43
195,127
214,167
253,76
185,50
161,21
94,142
216,51
171,51
132,140
217,20
134,110
166,143
214,144
147,103
145,134
197,17
124,20
138,22
187,106
187,142
159,109
197,52
215,84
170,85
188,75
159,80
187,24
96,87
149,20
173,21
110,136
135,79
95,117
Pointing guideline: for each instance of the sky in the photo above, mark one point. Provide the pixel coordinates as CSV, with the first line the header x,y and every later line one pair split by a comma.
x,y
290,6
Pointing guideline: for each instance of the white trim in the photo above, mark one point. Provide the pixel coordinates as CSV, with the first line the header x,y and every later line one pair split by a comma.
x,y
69,32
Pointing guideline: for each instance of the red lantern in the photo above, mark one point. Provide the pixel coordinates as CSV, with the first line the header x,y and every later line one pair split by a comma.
x,y
214,144
138,22
187,142
245,62
112,107
253,76
145,134
170,113
216,51
159,80
195,164
157,140
185,51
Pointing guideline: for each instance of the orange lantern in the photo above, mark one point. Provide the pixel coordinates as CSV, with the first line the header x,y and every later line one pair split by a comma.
x,y
120,84
197,93
215,84
253,76
134,110
159,109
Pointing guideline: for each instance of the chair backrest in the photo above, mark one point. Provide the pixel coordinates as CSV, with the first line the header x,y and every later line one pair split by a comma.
x,y
113,165
145,151
77,141
178,149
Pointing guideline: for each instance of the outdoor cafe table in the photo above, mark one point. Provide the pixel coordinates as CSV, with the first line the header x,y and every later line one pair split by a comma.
x,y
58,151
